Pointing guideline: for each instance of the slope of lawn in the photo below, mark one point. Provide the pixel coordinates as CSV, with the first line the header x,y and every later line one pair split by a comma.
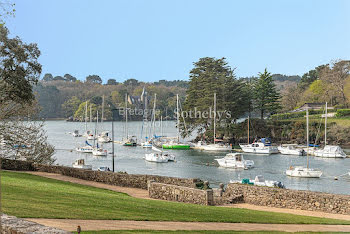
x,y
30,196
179,231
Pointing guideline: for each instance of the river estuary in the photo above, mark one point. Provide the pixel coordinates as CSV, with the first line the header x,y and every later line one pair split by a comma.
x,y
193,163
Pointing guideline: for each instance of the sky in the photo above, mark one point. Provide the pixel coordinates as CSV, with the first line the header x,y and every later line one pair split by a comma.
x,y
151,40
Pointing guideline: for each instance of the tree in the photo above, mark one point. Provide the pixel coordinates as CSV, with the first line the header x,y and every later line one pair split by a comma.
x,y
93,79
19,72
131,82
112,82
59,78
266,97
209,76
70,78
6,9
71,106
48,77
335,76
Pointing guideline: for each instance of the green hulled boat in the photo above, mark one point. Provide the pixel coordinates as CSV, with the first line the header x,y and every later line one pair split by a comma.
x,y
175,146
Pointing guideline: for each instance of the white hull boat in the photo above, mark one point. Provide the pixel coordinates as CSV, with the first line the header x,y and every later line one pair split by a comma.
x,y
235,160
103,169
330,151
104,137
165,154
99,152
76,133
216,147
303,172
155,157
85,149
80,163
258,148
291,150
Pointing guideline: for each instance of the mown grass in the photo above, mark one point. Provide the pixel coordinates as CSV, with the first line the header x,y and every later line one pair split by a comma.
x,y
30,196
178,231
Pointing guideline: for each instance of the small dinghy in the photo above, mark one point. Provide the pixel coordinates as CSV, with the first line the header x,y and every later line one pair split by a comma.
x,y
76,133
80,163
103,169
260,181
235,160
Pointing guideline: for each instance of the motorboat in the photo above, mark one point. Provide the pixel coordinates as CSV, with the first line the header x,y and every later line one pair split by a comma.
x,y
80,163
260,181
291,149
76,133
85,149
104,137
263,146
103,169
156,157
299,171
166,154
235,160
131,141
330,151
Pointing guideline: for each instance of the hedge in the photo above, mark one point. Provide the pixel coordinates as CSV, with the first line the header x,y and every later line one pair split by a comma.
x,y
343,112
301,114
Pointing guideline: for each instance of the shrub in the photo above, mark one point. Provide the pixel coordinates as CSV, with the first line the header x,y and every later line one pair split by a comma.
x,y
343,112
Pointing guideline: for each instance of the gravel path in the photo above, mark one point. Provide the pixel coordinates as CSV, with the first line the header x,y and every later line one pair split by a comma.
x,y
71,225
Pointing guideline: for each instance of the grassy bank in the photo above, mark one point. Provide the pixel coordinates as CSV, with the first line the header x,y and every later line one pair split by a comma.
x,y
25,195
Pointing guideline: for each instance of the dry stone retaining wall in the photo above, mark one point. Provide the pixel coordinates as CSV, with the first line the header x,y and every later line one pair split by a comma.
x,y
119,179
179,193
287,198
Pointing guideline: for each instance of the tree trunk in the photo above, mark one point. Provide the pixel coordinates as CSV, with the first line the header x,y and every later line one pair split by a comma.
x,y
262,114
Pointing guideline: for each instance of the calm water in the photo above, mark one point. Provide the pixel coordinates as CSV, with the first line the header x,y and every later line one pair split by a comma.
x,y
193,163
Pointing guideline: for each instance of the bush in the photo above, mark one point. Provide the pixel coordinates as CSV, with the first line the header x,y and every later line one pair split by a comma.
x,y
343,112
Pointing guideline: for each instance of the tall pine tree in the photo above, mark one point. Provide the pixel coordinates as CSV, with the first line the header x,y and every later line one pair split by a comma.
x,y
266,97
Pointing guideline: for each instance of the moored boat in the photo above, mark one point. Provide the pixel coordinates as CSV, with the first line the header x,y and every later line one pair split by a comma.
x,y
260,181
156,157
263,146
235,160
85,149
330,151
299,171
80,163
291,149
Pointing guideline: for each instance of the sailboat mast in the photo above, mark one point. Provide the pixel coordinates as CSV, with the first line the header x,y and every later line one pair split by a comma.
x,y
248,129
307,136
161,125
154,115
178,117
95,128
86,116
90,114
126,116
103,108
214,116
325,127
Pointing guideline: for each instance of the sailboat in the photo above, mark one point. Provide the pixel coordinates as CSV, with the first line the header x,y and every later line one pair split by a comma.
x,y
97,150
159,156
235,160
90,135
217,144
300,171
176,144
329,151
128,141
103,137
85,149
87,133
148,141
262,146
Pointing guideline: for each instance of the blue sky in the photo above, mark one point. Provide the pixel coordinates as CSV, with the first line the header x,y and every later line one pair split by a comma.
x,y
160,39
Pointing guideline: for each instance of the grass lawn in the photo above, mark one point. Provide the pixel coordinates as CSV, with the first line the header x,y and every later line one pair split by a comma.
x,y
30,196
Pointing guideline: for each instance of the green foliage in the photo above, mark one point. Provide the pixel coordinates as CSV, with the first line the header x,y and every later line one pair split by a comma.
x,y
51,108
210,76
266,97
19,69
48,77
342,112
66,200
112,82
70,106
70,78
93,79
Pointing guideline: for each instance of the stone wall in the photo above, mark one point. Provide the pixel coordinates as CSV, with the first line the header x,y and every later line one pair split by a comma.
x,y
287,198
119,179
179,193
11,225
